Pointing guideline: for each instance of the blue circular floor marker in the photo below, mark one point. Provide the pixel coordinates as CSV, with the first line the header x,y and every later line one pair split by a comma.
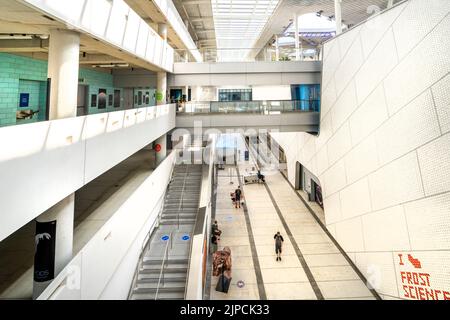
x,y
185,238
240,284
229,218
165,237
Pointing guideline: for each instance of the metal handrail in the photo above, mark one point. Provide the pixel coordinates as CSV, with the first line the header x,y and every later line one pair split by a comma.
x,y
181,203
161,273
150,231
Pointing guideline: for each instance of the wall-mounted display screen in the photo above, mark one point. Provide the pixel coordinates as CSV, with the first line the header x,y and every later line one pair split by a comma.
x,y
116,98
93,100
110,100
139,97
102,98
147,97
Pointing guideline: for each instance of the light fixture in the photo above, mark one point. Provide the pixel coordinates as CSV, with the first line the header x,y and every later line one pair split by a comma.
x,y
319,13
331,17
12,36
111,65
43,36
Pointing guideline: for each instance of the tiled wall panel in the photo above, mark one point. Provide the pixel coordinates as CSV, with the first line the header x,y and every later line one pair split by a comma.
x,y
386,177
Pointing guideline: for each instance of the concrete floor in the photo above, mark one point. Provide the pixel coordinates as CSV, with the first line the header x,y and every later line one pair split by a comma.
x,y
94,205
330,275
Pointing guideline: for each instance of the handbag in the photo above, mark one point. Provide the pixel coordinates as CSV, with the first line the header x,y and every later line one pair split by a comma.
x,y
223,284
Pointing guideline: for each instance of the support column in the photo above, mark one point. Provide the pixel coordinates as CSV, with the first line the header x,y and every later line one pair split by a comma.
x,y
63,66
161,149
161,88
54,228
338,16
186,89
297,44
277,49
390,4
161,77
162,31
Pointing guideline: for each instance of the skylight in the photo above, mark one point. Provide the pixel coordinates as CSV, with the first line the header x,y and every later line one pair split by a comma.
x,y
310,22
238,24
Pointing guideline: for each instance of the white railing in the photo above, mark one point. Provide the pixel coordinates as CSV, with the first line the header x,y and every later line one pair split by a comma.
x,y
111,22
91,270
173,17
47,161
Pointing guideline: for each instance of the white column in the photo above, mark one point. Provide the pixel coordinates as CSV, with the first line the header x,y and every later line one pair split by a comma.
x,y
161,88
162,30
277,49
161,149
63,65
390,3
186,89
338,16
62,214
161,77
297,44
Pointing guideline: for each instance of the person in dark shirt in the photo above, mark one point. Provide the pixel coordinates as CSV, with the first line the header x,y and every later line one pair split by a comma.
x,y
237,197
278,244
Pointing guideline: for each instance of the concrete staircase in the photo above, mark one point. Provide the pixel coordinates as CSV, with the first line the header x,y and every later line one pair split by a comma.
x,y
166,258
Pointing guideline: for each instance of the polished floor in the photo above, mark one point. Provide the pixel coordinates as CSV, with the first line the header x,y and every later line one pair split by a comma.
x,y
312,267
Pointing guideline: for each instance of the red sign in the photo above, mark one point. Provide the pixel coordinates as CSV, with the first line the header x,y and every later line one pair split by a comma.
x,y
158,147
416,284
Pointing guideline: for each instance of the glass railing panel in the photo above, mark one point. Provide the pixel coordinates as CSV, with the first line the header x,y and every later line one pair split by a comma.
x,y
262,107
248,55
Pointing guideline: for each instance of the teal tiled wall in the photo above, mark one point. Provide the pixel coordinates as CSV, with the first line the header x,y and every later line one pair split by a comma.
x,y
99,80
21,74
13,68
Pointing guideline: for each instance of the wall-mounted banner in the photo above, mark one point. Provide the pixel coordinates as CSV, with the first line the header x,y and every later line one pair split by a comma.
x,y
420,275
44,257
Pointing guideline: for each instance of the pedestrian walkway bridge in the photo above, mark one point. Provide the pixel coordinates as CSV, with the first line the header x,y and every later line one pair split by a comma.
x,y
281,115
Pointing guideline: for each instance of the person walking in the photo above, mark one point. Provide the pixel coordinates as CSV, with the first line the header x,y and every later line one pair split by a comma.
x,y
215,230
213,243
278,244
237,197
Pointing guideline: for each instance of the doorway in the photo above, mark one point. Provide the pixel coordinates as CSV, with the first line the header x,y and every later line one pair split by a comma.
x,y
82,100
128,98
299,175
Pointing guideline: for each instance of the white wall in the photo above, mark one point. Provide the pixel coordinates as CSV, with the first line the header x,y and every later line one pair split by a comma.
x,y
105,266
42,163
271,93
383,152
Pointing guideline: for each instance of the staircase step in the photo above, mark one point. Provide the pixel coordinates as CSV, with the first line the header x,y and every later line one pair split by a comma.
x,y
157,261
166,285
161,296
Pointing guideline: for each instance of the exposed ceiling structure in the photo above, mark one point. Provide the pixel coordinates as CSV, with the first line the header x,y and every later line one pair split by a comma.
x,y
353,12
238,25
200,22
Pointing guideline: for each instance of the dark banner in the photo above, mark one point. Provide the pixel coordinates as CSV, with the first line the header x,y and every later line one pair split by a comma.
x,y
44,257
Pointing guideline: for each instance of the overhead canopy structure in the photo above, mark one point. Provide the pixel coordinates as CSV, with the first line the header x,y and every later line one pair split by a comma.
x,y
238,25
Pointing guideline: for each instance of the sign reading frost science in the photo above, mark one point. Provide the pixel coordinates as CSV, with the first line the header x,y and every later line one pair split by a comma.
x,y
415,282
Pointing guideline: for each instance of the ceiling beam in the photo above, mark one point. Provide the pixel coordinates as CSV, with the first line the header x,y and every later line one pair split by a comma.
x,y
195,2
32,45
99,59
